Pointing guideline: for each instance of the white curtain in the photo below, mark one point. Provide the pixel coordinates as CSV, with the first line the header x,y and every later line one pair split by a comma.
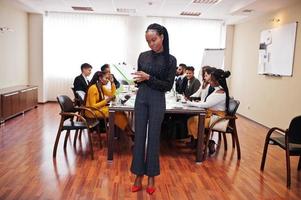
x,y
72,39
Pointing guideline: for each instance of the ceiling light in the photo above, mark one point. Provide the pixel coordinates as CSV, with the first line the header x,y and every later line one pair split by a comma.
x,y
79,8
187,13
126,10
206,1
247,11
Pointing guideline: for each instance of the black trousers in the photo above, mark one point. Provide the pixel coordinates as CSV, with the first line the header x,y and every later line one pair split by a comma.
x,y
149,113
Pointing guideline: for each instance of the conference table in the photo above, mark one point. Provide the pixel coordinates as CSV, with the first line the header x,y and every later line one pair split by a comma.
x,y
172,107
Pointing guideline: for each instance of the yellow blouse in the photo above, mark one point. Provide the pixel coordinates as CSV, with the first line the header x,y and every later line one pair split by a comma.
x,y
93,100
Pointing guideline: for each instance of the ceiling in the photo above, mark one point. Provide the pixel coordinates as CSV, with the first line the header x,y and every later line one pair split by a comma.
x,y
230,11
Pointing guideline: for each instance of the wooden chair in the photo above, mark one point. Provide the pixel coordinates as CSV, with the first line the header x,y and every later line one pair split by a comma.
x,y
80,96
76,99
77,102
67,122
231,129
289,140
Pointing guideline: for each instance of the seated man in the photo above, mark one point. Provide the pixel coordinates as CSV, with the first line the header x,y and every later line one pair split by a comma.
x,y
106,69
81,82
193,83
181,80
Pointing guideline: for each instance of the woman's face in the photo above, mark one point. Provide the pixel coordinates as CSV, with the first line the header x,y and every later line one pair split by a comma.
x,y
207,77
103,80
213,82
154,40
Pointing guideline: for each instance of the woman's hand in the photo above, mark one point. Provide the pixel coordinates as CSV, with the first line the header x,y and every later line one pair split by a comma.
x,y
140,76
111,78
110,98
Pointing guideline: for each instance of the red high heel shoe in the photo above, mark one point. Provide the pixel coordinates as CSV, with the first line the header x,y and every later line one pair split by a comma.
x,y
150,190
136,188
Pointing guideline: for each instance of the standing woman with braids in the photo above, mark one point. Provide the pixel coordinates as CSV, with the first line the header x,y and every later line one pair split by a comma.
x,y
155,76
217,103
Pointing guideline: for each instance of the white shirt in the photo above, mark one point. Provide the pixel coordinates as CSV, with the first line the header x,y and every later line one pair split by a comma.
x,y
202,93
86,79
215,101
108,86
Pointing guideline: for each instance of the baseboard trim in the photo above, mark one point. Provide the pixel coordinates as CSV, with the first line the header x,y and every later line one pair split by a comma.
x,y
42,103
264,126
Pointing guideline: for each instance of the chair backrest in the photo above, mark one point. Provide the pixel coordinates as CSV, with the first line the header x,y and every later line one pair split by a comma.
x,y
294,130
73,90
76,99
66,103
233,106
80,95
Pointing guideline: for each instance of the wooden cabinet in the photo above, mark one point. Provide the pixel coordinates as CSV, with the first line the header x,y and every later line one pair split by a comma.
x,y
16,100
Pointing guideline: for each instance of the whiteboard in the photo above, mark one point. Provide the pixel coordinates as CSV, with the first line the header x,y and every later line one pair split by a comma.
x,y
213,58
276,50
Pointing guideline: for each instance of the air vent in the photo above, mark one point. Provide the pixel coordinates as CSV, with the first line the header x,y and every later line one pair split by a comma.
x,y
247,11
126,10
206,1
78,8
187,13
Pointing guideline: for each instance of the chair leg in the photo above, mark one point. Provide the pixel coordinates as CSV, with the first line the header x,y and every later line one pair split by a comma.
x,y
288,169
99,136
225,141
233,140
237,141
299,164
80,134
264,154
207,138
66,139
107,130
57,140
91,144
219,138
75,138
117,133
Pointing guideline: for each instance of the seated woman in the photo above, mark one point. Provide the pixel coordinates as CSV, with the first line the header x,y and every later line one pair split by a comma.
x,y
217,103
178,122
205,88
95,97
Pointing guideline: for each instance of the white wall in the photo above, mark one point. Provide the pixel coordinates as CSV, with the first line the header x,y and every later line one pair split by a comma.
x,y
136,28
13,46
271,101
36,54
229,46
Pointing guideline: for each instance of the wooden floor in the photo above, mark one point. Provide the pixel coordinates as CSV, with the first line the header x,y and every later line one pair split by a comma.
x,y
27,170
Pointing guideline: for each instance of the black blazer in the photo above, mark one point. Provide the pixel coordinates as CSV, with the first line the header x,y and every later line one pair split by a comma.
x,y
181,85
192,88
80,84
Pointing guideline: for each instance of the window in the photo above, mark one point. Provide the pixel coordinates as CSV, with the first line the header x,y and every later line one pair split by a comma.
x,y
72,39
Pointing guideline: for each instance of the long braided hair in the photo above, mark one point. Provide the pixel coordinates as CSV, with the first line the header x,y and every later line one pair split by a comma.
x,y
220,76
95,80
161,30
